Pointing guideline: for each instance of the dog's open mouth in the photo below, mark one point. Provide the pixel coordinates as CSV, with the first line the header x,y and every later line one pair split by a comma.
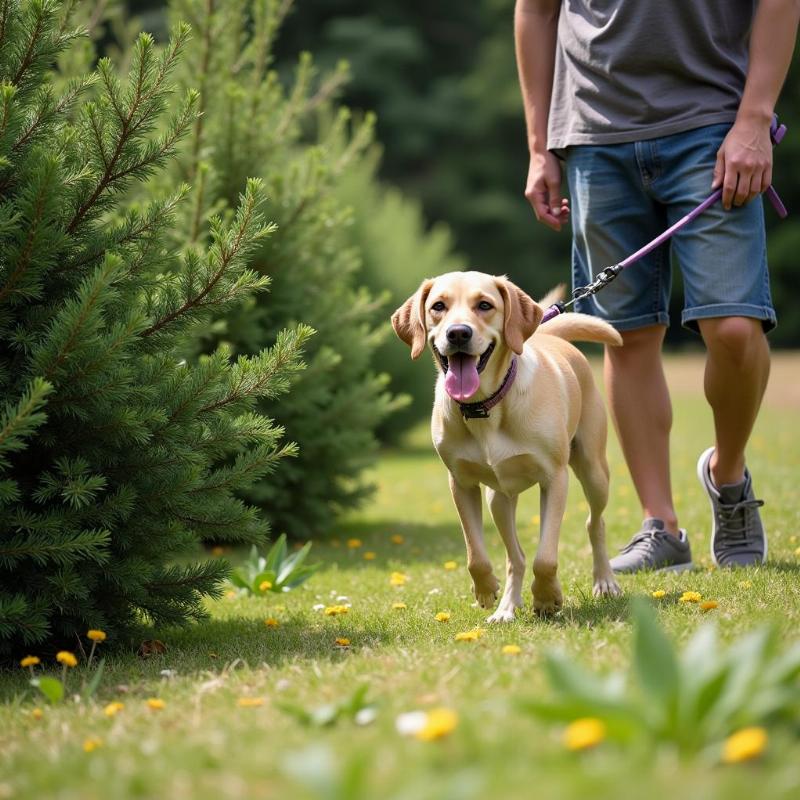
x,y
462,372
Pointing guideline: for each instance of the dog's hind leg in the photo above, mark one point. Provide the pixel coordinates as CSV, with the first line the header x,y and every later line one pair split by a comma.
x,y
504,510
547,597
468,504
588,459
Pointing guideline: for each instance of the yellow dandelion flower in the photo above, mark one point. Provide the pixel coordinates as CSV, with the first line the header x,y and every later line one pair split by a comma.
x,y
112,709
584,733
399,606
95,635
744,745
658,594
536,519
250,702
370,555
709,605
511,650
690,597
230,594
396,539
443,616
30,661
439,722
342,642
271,622
156,704
469,636
793,539
450,565
333,611
797,551
66,658
265,586
91,744
398,579
354,544
37,713
217,551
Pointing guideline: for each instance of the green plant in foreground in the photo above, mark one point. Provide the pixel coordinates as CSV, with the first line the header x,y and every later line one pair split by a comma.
x,y
689,699
277,572
355,707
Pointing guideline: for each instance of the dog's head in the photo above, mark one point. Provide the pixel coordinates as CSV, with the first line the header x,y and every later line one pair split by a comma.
x,y
466,317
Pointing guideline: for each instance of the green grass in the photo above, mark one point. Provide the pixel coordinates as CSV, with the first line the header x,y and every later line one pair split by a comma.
x,y
202,745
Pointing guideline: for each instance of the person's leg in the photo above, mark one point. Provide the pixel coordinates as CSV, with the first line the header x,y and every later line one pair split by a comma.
x,y
737,368
614,214
722,255
640,407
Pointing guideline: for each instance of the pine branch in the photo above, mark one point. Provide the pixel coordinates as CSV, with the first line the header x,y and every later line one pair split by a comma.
x,y
129,124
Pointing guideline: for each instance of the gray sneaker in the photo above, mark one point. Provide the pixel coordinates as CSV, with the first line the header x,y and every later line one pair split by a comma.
x,y
655,549
737,535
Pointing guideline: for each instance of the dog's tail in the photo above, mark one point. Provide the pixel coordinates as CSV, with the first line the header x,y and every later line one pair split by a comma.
x,y
576,327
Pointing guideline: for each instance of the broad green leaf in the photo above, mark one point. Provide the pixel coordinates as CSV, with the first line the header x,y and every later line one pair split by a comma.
x,y
572,680
301,575
654,657
237,579
51,688
276,555
293,562
91,687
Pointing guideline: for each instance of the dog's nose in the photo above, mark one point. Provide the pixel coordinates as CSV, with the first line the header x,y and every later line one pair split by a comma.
x,y
459,334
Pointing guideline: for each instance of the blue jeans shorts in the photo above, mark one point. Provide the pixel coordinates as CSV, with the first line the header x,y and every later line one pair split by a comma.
x,y
624,195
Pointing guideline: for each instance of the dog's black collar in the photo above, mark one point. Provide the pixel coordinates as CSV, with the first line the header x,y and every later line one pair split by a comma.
x,y
480,410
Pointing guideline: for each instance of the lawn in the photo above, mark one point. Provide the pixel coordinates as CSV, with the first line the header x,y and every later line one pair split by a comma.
x,y
204,744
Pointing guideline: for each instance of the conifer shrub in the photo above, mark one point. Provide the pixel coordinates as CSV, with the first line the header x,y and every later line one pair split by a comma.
x,y
300,144
116,454
397,252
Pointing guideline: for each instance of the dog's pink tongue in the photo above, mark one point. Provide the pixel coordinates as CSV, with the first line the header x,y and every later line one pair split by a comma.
x,y
462,379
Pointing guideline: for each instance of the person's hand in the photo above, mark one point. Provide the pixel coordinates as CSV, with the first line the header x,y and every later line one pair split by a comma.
x,y
744,163
543,190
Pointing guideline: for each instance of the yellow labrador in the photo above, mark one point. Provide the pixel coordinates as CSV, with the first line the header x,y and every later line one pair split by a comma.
x,y
512,409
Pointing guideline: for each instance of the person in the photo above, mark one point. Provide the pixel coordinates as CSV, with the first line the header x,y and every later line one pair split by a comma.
x,y
649,106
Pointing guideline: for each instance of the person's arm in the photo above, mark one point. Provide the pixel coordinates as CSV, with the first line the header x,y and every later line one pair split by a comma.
x,y
535,35
744,161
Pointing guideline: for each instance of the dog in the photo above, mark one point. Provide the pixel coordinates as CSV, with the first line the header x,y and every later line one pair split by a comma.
x,y
515,405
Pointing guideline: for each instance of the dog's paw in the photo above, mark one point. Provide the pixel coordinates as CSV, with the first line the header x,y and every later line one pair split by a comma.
x,y
547,599
486,590
606,586
506,612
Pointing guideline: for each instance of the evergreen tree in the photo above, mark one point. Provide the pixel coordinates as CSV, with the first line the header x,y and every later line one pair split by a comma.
x,y
115,454
300,144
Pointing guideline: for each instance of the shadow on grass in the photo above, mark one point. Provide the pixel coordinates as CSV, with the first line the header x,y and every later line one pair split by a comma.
x,y
209,647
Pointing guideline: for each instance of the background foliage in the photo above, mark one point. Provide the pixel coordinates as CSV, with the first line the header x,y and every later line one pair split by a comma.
x,y
117,455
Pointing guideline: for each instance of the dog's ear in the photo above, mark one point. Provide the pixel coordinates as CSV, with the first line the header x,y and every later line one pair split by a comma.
x,y
409,320
522,315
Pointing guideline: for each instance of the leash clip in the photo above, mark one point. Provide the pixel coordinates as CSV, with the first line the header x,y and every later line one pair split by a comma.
x,y
604,277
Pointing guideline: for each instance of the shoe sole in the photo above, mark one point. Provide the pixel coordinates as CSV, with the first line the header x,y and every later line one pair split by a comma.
x,y
671,568
702,478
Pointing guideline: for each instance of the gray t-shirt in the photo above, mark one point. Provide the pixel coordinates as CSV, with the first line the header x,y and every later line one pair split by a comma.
x,y
628,70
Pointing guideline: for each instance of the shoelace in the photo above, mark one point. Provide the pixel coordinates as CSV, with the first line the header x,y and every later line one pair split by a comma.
x,y
728,514
644,540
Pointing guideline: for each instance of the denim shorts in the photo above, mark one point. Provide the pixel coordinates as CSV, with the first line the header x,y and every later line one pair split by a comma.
x,y
624,195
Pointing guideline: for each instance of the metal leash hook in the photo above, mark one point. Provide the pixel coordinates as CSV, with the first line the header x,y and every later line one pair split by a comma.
x,y
604,277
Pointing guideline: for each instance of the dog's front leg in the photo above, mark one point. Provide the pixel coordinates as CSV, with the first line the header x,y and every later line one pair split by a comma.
x,y
504,510
547,597
468,504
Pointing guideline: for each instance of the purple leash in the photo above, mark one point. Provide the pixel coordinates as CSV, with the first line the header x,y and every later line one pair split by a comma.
x,y
605,276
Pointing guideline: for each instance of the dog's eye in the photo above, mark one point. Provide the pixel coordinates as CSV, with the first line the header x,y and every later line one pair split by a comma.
x,y
484,306
438,306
